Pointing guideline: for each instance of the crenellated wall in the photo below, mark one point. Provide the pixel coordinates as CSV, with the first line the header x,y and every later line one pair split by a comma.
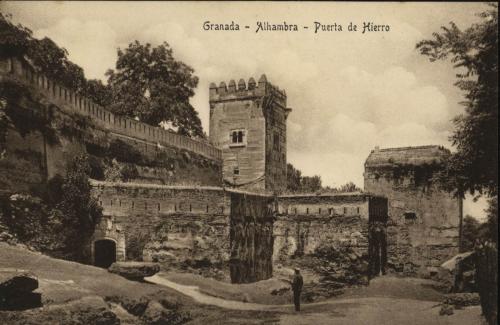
x,y
146,154
66,99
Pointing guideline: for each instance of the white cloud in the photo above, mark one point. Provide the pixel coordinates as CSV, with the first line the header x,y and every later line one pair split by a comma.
x,y
91,44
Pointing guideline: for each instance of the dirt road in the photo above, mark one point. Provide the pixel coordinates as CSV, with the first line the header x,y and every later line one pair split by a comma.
x,y
388,300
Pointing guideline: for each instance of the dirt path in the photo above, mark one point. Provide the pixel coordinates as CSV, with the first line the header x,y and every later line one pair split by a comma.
x,y
388,300
194,292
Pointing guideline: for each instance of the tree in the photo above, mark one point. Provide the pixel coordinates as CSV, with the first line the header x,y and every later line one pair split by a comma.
x,y
471,232
80,210
293,177
348,187
474,51
296,183
489,230
310,184
151,85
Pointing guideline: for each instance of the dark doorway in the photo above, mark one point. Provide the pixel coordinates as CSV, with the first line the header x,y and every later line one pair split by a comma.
x,y
104,253
377,236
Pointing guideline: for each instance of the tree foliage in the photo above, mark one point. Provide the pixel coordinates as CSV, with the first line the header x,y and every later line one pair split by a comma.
x,y
348,187
150,84
474,52
81,211
296,183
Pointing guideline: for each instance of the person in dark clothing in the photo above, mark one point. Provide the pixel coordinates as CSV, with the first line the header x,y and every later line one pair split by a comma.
x,y
297,284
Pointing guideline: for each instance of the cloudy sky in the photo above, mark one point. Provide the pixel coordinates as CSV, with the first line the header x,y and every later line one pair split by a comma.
x,y
349,91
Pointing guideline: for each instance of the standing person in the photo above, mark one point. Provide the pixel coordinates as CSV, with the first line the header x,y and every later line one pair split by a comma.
x,y
297,288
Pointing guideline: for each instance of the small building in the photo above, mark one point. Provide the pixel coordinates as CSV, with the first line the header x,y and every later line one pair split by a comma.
x,y
423,225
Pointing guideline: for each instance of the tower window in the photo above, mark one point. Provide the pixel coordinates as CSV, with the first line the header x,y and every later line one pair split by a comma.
x,y
410,217
276,141
237,138
236,171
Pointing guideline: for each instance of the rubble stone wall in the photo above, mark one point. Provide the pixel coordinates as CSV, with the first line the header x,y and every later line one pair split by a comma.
x,y
176,225
306,222
423,226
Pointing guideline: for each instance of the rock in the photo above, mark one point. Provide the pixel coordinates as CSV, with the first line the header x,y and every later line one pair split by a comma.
x,y
88,310
17,283
463,299
16,291
22,301
132,306
280,291
134,270
156,314
446,310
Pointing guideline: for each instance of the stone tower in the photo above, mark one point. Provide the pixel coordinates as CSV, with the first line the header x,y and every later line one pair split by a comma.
x,y
248,123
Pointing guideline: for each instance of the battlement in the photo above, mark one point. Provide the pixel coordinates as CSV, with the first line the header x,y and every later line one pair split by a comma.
x,y
242,90
21,69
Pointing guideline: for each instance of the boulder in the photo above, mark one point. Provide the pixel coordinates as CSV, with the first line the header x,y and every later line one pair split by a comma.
x,y
134,270
463,299
446,310
16,291
17,283
155,313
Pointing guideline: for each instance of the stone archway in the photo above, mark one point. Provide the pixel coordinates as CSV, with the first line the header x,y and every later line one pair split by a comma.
x,y
107,231
104,252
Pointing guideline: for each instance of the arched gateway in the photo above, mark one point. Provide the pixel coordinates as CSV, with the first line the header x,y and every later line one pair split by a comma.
x,y
104,253
108,243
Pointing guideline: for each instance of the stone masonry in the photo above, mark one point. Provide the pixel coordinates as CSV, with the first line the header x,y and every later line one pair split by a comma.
x,y
423,220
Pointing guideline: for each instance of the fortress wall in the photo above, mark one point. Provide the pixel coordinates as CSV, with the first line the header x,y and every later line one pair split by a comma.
x,y
179,225
72,102
171,159
305,222
22,165
169,224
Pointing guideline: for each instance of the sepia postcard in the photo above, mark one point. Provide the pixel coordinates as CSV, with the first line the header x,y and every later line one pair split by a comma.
x,y
248,162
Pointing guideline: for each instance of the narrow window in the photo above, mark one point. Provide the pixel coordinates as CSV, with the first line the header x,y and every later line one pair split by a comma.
x,y
345,210
158,206
319,211
357,210
133,204
240,136
307,210
276,141
410,217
